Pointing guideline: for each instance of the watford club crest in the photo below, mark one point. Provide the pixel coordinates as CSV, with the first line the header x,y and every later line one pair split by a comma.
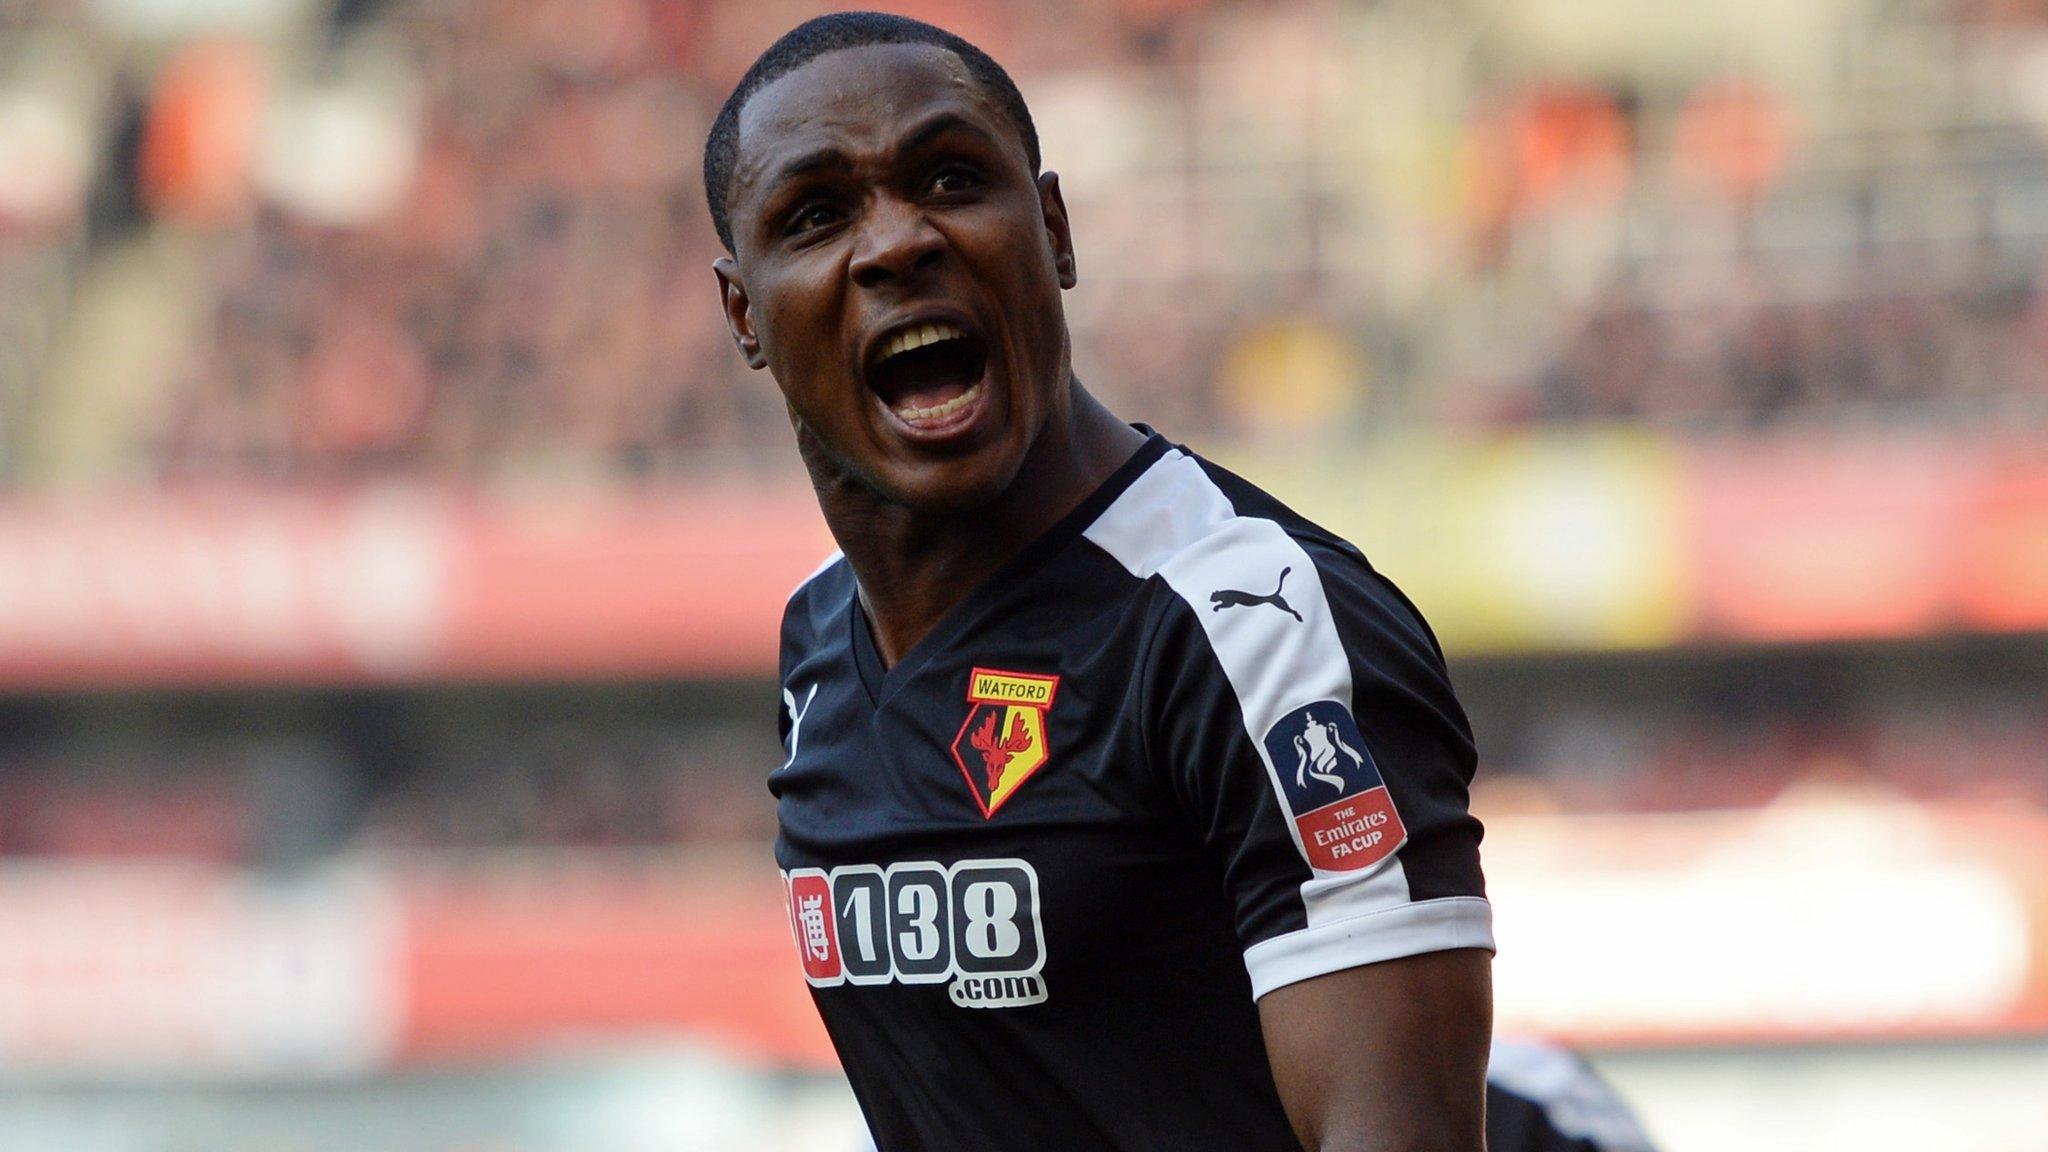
x,y
1003,741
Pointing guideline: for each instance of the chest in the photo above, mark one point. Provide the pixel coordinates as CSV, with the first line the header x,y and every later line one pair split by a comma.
x,y
983,753
989,819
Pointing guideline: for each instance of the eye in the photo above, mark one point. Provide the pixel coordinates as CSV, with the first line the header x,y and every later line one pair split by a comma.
x,y
812,216
955,178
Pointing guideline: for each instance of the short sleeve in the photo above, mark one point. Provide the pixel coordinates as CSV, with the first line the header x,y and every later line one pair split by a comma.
x,y
1304,721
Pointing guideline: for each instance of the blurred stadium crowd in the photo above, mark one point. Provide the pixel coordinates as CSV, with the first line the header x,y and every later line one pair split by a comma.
x,y
464,239
463,242
295,797
399,777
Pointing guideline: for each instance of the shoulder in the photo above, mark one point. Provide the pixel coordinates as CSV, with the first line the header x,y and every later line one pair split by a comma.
x,y
821,577
1355,586
816,597
1232,553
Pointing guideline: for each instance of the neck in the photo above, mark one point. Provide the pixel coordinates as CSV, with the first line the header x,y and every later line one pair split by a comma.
x,y
913,567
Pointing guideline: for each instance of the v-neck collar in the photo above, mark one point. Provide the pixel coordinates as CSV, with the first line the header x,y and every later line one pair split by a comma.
x,y
882,683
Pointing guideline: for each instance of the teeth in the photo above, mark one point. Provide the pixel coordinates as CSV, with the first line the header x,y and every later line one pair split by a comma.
x,y
918,337
938,410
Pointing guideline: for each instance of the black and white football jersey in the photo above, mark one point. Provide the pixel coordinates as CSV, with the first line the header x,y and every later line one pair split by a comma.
x,y
1184,749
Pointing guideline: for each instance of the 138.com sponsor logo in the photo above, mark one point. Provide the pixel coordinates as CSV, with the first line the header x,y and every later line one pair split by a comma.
x,y
973,925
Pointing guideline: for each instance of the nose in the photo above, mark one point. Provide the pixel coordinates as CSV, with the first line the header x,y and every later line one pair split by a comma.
x,y
896,243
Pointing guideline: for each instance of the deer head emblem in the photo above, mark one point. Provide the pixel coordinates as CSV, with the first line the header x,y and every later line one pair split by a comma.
x,y
994,756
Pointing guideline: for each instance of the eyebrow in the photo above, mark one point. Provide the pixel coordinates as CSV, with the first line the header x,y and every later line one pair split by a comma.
x,y
810,163
936,126
832,159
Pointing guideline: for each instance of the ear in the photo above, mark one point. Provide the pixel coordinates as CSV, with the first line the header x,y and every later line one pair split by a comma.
x,y
1054,208
739,313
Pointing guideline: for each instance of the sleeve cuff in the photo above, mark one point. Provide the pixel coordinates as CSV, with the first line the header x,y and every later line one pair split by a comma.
x,y
1388,934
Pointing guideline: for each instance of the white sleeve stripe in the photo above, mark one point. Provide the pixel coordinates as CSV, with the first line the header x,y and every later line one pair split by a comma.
x,y
1368,938
1160,515
1175,521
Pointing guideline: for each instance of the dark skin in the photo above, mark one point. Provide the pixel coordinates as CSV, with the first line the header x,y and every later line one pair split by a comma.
x,y
1390,1057
878,186
874,185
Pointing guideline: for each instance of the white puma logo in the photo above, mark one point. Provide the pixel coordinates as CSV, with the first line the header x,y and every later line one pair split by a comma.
x,y
796,719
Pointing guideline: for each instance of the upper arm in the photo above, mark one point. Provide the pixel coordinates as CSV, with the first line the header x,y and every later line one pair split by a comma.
x,y
1298,713
1325,763
1389,1056
1322,760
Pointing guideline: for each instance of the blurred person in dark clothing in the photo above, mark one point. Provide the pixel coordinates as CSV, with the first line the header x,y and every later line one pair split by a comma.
x,y
1543,1098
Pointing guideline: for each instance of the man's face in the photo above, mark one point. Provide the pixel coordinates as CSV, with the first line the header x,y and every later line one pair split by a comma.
x,y
898,269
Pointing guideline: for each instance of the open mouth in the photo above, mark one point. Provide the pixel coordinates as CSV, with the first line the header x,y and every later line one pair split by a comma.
x,y
929,373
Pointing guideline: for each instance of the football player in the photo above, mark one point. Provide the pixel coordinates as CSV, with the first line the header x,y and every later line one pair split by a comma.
x,y
1089,840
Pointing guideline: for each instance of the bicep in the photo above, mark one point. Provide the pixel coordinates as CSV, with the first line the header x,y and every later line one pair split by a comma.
x,y
1388,1057
1350,855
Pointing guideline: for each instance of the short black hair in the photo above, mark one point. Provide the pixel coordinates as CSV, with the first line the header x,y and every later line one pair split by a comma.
x,y
812,39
